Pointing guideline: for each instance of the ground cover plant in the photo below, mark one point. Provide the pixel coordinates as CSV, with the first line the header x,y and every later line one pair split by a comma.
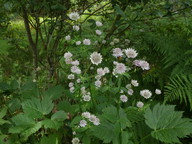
x,y
93,72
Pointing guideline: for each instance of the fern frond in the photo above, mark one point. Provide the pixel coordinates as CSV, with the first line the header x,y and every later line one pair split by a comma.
x,y
180,88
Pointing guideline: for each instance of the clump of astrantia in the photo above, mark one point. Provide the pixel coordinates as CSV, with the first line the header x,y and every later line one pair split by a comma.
x,y
91,118
96,58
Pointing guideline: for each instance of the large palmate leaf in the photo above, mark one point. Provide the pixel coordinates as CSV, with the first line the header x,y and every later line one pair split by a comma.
x,y
36,108
168,125
113,121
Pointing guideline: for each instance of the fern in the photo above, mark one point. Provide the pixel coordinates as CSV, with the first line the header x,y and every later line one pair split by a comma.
x,y
167,125
180,88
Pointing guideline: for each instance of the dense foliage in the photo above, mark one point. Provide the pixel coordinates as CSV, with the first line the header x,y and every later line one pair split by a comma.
x,y
95,71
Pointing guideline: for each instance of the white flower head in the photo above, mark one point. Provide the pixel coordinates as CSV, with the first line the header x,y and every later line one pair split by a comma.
x,y
78,80
76,62
67,55
144,65
76,28
98,23
117,52
96,58
82,123
100,72
131,53
78,42
96,122
98,83
115,40
104,41
158,91
74,16
146,93
134,83
71,84
98,32
86,42
68,61
86,98
128,86
71,76
120,68
106,70
68,37
75,140
75,69
112,43
92,118
86,115
130,91
123,98
140,104
72,89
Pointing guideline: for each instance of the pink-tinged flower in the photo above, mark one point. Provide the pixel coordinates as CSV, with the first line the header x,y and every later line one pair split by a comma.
x,y
131,53
98,32
144,65
117,52
96,58
146,93
158,91
74,16
86,42
82,123
98,23
140,104
120,68
123,98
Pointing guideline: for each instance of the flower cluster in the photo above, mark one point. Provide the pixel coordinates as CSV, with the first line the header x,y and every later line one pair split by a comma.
x,y
86,95
91,118
100,73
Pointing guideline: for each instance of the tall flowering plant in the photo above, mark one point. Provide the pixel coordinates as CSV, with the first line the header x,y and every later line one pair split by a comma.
x,y
102,83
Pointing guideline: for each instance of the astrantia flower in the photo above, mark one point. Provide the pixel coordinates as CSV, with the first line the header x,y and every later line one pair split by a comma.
x,y
72,89
120,68
98,23
86,98
82,123
158,91
134,83
137,63
112,43
76,62
98,32
71,76
78,80
68,37
115,40
106,70
100,71
71,84
117,52
96,122
123,98
144,65
128,86
104,41
76,28
98,83
86,114
68,61
146,93
74,16
130,91
67,55
86,42
75,140
140,104
96,58
78,43
92,118
131,53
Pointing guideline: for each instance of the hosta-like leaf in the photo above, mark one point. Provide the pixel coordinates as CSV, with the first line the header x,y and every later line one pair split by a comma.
x,y
168,125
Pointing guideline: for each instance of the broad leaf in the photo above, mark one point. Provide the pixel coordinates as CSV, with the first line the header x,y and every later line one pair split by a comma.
x,y
168,125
